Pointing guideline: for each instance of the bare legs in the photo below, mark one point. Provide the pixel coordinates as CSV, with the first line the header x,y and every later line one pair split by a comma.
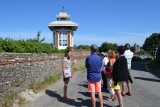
x,y
93,99
100,99
65,91
111,90
123,88
128,86
119,96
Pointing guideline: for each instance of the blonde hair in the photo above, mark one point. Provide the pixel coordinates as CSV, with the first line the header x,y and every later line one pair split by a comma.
x,y
111,54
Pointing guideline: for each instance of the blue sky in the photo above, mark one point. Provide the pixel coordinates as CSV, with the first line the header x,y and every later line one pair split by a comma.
x,y
115,21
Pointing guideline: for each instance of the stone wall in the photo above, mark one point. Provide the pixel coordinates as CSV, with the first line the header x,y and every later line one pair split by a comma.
x,y
18,71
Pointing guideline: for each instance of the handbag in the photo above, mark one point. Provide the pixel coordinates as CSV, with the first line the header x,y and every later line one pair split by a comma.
x,y
107,70
67,73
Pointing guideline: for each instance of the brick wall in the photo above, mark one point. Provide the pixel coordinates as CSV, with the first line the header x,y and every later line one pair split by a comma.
x,y
17,71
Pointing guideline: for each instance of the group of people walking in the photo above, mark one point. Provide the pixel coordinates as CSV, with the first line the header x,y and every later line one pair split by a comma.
x,y
109,72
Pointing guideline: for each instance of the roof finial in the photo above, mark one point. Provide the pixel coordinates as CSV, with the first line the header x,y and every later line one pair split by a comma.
x,y
63,9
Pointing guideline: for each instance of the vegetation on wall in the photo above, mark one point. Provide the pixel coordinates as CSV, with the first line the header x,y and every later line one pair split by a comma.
x,y
35,45
85,47
26,46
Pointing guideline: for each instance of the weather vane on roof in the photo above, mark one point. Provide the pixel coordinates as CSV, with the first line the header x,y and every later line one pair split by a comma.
x,y
63,9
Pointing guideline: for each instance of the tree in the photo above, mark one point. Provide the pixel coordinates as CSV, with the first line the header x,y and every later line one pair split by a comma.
x,y
158,54
86,47
38,37
152,43
106,46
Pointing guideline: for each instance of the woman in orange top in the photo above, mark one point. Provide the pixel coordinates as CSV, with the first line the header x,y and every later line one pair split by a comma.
x,y
112,59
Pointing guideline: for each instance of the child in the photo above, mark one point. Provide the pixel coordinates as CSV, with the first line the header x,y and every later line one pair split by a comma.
x,y
66,68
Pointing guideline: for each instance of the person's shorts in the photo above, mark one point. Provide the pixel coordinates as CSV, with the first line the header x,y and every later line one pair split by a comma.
x,y
94,86
117,87
66,80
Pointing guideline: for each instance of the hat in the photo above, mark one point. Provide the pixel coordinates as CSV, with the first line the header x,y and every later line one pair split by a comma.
x,y
102,53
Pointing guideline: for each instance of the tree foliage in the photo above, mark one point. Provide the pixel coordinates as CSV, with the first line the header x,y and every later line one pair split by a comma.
x,y
38,37
86,47
106,46
26,46
152,43
158,54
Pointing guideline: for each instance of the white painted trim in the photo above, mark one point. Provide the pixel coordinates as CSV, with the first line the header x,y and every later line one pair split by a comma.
x,y
58,40
62,47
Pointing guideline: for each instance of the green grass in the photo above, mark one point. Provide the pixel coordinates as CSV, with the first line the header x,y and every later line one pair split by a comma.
x,y
45,83
154,66
49,81
10,98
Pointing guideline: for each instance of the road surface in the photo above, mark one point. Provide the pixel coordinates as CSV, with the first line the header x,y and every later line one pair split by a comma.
x,y
145,92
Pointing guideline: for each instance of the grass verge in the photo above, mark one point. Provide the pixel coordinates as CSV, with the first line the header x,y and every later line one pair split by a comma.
x,y
12,97
48,81
45,83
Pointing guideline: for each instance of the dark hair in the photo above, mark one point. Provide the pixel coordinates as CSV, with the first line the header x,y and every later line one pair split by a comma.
x,y
94,48
127,46
121,50
67,51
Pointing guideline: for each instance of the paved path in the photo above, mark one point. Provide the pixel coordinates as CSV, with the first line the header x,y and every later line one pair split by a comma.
x,y
145,92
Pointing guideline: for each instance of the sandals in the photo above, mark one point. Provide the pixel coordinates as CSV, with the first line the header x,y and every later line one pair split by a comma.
x,y
123,94
111,99
129,94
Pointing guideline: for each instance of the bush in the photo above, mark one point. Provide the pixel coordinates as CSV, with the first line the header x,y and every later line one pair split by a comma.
x,y
147,59
26,46
158,54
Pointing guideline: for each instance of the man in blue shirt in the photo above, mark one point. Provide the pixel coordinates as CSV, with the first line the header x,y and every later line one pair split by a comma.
x,y
93,64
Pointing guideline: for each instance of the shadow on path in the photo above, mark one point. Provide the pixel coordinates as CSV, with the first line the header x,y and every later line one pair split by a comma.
x,y
79,102
147,79
83,85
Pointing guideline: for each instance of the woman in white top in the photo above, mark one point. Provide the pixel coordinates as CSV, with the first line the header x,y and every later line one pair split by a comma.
x,y
66,68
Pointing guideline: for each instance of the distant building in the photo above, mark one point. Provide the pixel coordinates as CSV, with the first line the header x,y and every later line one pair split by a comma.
x,y
63,31
136,48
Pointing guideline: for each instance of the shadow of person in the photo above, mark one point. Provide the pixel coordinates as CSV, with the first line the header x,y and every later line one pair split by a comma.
x,y
86,94
61,99
53,94
83,85
79,102
88,103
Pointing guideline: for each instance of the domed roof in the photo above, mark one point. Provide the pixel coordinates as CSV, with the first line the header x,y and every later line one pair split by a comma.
x,y
63,20
63,14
